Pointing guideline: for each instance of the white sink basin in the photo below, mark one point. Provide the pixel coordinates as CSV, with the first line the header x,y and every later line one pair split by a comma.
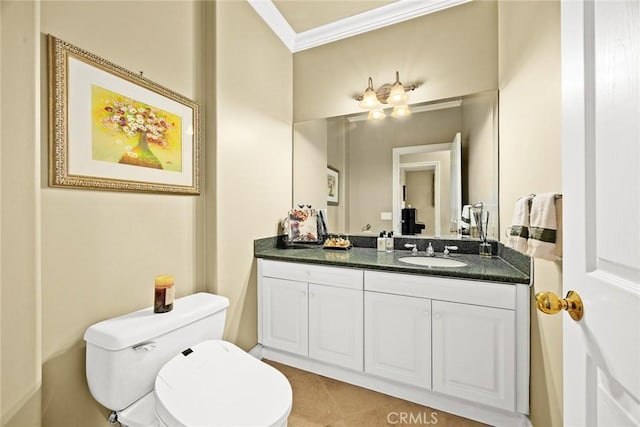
x,y
432,261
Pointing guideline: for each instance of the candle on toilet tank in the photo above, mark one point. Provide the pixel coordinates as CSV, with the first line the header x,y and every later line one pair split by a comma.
x,y
165,293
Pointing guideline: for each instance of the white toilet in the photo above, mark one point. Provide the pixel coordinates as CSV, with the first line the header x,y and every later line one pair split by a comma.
x,y
172,369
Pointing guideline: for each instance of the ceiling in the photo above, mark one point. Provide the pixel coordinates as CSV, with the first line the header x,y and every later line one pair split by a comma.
x,y
304,24
304,15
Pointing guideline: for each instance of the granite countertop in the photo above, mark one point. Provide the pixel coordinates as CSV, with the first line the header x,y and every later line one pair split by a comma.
x,y
494,269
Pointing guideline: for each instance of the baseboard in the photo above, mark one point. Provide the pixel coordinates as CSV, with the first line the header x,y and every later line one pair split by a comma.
x,y
452,405
256,351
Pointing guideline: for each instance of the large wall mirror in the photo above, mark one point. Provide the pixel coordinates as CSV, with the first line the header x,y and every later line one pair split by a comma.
x,y
441,157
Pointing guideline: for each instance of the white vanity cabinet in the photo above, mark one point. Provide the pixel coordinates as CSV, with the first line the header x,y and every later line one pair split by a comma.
x,y
458,345
313,311
474,353
285,315
336,325
398,338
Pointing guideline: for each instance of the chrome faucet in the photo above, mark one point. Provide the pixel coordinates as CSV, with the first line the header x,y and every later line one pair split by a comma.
x,y
449,248
413,246
430,250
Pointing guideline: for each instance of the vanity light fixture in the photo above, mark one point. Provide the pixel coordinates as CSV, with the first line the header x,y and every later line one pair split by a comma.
x,y
400,111
369,101
393,95
377,114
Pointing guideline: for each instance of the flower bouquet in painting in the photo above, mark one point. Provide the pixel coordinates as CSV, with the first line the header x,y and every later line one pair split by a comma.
x,y
131,132
301,226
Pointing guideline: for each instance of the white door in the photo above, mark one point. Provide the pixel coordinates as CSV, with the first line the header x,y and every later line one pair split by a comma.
x,y
336,325
474,353
398,338
601,185
285,315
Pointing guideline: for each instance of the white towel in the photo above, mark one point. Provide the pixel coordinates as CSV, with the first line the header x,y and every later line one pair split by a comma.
x,y
545,227
519,230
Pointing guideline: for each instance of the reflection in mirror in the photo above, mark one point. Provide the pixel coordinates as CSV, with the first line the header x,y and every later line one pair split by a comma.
x,y
427,189
363,152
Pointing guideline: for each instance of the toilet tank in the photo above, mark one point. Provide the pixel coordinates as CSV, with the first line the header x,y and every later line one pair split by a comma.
x,y
124,354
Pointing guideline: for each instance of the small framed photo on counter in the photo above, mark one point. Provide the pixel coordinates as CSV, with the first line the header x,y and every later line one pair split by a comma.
x,y
333,186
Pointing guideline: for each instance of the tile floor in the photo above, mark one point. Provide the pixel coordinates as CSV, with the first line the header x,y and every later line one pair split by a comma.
x,y
323,402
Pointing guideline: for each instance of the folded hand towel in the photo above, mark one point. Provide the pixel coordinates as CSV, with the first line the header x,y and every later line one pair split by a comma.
x,y
519,230
544,228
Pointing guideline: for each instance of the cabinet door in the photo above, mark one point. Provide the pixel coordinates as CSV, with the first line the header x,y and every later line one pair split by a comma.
x,y
336,325
285,315
398,338
474,353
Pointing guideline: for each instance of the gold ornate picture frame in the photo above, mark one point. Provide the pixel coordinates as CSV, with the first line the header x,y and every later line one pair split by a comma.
x,y
111,129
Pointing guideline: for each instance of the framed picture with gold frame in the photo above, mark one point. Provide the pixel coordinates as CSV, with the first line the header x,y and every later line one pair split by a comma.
x,y
112,129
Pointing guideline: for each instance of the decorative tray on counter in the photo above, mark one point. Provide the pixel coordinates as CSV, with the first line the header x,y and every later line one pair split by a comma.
x,y
337,243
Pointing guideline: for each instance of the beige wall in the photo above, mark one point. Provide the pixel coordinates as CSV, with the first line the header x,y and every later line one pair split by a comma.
x,y
530,163
318,144
443,158
337,157
365,147
326,78
479,142
254,126
101,250
453,52
19,226
310,163
370,165
420,196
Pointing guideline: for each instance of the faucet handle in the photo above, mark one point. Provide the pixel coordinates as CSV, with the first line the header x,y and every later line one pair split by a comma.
x,y
413,246
449,248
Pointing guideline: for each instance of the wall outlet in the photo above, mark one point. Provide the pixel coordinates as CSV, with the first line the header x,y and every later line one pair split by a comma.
x,y
385,216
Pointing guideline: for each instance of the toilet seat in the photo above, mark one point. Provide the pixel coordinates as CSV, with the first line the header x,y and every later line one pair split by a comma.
x,y
215,383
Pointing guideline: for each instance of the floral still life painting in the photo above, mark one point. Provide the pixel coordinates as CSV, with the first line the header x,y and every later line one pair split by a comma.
x,y
114,130
301,225
131,132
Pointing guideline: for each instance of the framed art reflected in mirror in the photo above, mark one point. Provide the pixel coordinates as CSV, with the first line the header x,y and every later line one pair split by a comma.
x,y
333,186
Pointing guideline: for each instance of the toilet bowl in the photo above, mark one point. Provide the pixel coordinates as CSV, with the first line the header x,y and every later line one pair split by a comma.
x,y
172,370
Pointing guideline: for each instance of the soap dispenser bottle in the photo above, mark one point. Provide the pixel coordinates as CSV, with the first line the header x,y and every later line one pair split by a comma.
x,y
389,242
382,242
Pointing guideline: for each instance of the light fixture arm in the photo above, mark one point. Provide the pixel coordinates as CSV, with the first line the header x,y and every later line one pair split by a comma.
x,y
384,91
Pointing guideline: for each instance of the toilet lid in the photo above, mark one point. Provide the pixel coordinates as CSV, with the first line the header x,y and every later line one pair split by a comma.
x,y
215,383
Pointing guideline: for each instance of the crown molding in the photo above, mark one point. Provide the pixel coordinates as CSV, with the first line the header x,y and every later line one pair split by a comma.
x,y
274,19
389,14
374,19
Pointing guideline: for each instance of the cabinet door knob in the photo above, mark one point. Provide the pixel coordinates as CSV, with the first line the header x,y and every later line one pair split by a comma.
x,y
426,312
304,293
436,315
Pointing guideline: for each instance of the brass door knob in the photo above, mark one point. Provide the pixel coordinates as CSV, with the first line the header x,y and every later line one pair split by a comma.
x,y
550,303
